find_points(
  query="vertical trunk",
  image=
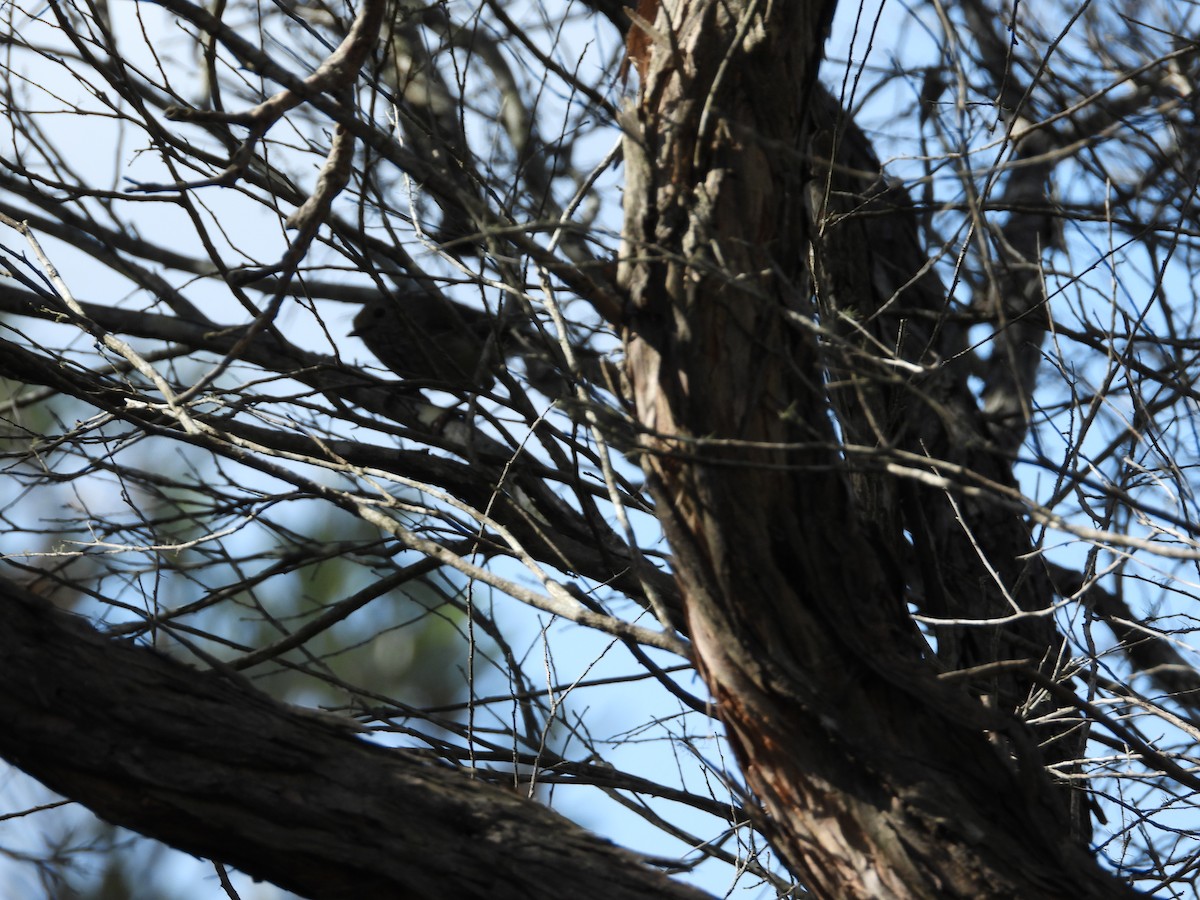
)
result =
(898, 372)
(876, 779)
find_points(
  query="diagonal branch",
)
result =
(204, 762)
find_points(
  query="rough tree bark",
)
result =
(208, 764)
(876, 779)
(885, 305)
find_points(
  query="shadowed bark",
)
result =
(207, 764)
(876, 778)
(899, 369)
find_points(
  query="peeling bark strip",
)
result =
(875, 779)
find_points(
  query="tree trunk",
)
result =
(877, 779)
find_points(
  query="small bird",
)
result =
(441, 343)
(426, 338)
